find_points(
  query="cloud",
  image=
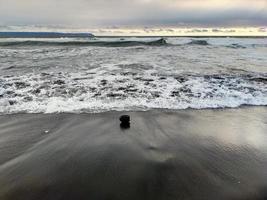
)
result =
(134, 12)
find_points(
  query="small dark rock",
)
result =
(125, 121)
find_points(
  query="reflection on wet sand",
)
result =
(208, 154)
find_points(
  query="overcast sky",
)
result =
(102, 13)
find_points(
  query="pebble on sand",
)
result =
(125, 121)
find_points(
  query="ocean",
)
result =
(61, 100)
(99, 74)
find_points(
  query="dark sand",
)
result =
(206, 154)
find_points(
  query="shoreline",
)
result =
(164, 110)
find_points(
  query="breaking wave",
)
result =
(78, 75)
(198, 42)
(123, 42)
(96, 92)
(120, 43)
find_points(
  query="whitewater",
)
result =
(98, 74)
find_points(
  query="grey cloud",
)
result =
(104, 13)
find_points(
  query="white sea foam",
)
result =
(101, 91)
(50, 79)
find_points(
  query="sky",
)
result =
(135, 13)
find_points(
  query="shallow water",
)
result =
(102, 74)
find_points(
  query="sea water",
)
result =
(50, 75)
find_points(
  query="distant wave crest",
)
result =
(198, 42)
(122, 43)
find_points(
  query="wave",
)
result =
(237, 46)
(198, 42)
(99, 42)
(160, 42)
(97, 92)
(232, 46)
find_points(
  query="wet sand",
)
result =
(190, 154)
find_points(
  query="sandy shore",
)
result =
(205, 154)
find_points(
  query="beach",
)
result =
(197, 107)
(165, 154)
